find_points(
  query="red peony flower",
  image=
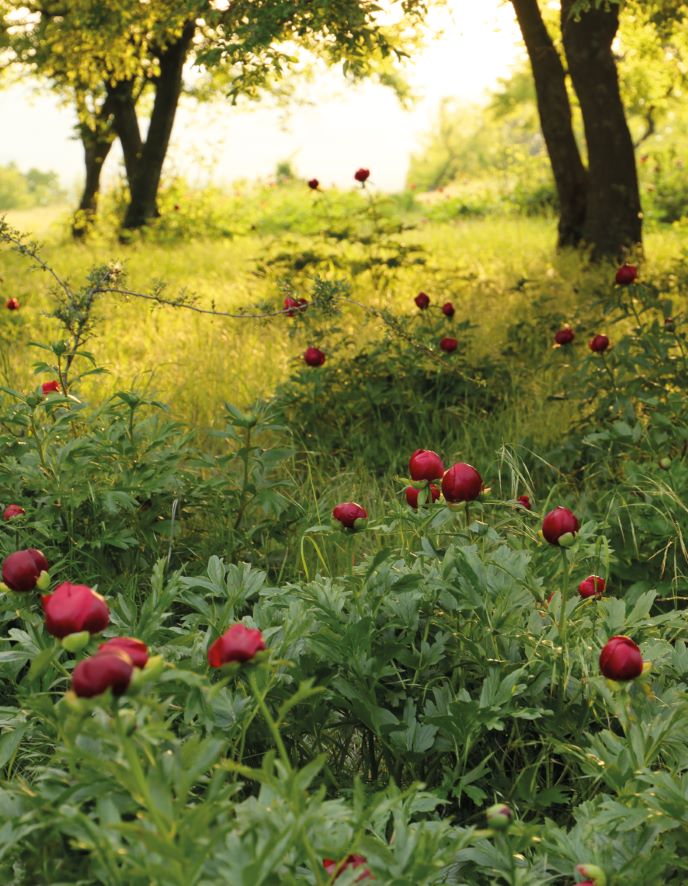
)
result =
(314, 356)
(352, 862)
(136, 650)
(74, 608)
(106, 670)
(294, 306)
(448, 345)
(621, 659)
(626, 274)
(22, 570)
(412, 494)
(425, 464)
(599, 343)
(362, 175)
(422, 300)
(348, 513)
(313, 184)
(564, 336)
(448, 309)
(461, 483)
(591, 586)
(50, 387)
(12, 304)
(12, 511)
(238, 643)
(524, 501)
(560, 521)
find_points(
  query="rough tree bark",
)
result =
(97, 138)
(555, 120)
(613, 221)
(143, 161)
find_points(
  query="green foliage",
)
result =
(19, 190)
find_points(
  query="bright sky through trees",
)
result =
(339, 128)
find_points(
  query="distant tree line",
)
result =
(22, 190)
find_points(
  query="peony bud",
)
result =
(599, 344)
(499, 817)
(12, 511)
(461, 483)
(564, 336)
(74, 608)
(559, 523)
(524, 501)
(314, 356)
(362, 175)
(237, 644)
(294, 306)
(349, 513)
(593, 874)
(50, 387)
(12, 304)
(422, 300)
(351, 862)
(448, 345)
(626, 274)
(76, 642)
(97, 674)
(664, 463)
(448, 309)
(135, 649)
(412, 494)
(313, 184)
(425, 464)
(22, 570)
(592, 586)
(621, 659)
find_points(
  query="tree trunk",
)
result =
(97, 138)
(555, 119)
(147, 159)
(613, 222)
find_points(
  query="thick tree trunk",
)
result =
(613, 222)
(555, 119)
(97, 138)
(144, 179)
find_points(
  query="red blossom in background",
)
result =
(22, 570)
(238, 643)
(136, 650)
(362, 175)
(599, 343)
(50, 387)
(425, 464)
(448, 345)
(560, 521)
(313, 184)
(422, 300)
(564, 336)
(592, 586)
(314, 356)
(524, 501)
(448, 309)
(352, 862)
(412, 494)
(348, 513)
(100, 672)
(12, 511)
(12, 304)
(626, 275)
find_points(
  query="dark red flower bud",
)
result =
(73, 608)
(422, 300)
(22, 569)
(12, 511)
(348, 513)
(591, 586)
(106, 670)
(313, 184)
(136, 650)
(564, 336)
(448, 345)
(621, 659)
(599, 343)
(461, 483)
(362, 175)
(314, 356)
(669, 324)
(238, 643)
(524, 501)
(12, 304)
(425, 464)
(560, 521)
(294, 305)
(448, 309)
(352, 862)
(412, 494)
(626, 274)
(50, 387)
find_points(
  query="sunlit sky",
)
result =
(340, 128)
